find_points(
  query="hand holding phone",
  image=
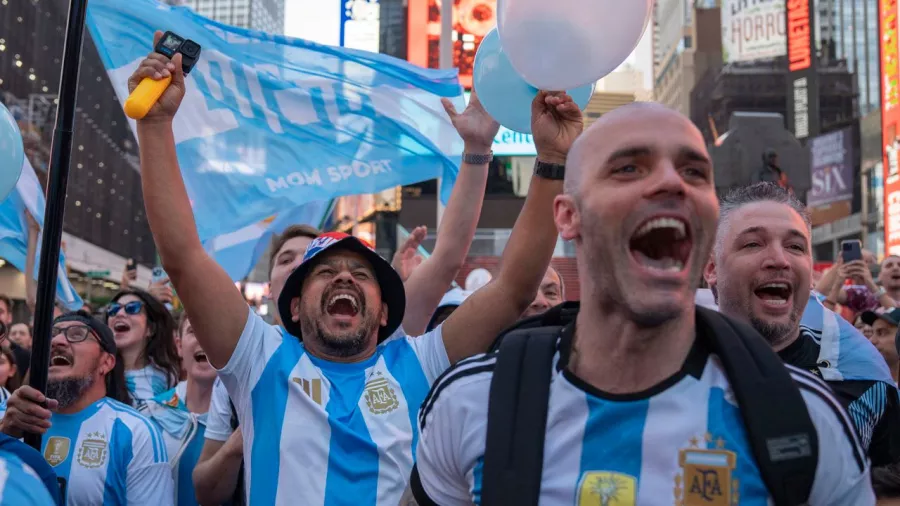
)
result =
(851, 250)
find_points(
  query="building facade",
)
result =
(104, 213)
(686, 44)
(264, 15)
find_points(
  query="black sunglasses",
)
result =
(74, 334)
(132, 308)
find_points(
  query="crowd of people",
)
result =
(381, 383)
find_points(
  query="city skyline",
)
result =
(319, 21)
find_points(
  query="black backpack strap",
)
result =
(239, 496)
(517, 417)
(781, 433)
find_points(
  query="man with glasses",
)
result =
(103, 451)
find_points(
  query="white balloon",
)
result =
(567, 44)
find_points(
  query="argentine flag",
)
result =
(29, 196)
(270, 123)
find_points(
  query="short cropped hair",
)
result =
(739, 197)
(289, 233)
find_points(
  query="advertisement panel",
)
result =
(753, 30)
(890, 117)
(360, 24)
(803, 87)
(831, 168)
(472, 20)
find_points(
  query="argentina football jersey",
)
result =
(325, 433)
(680, 442)
(108, 454)
(145, 383)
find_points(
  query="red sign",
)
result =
(890, 119)
(472, 20)
(798, 31)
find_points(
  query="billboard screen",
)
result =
(753, 30)
(890, 117)
(831, 168)
(803, 88)
(360, 24)
(472, 20)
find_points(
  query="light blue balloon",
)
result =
(503, 92)
(12, 152)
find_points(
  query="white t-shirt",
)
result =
(318, 432)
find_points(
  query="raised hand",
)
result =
(556, 122)
(476, 127)
(157, 66)
(162, 290)
(406, 259)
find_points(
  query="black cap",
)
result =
(891, 316)
(102, 330)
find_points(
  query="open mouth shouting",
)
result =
(59, 358)
(343, 306)
(200, 358)
(662, 245)
(121, 327)
(774, 295)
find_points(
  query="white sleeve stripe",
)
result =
(428, 405)
(838, 410)
(460, 366)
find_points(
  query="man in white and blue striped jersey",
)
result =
(103, 451)
(637, 398)
(761, 269)
(327, 406)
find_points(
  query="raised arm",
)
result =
(556, 123)
(34, 232)
(218, 311)
(431, 280)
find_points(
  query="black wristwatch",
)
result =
(478, 159)
(549, 170)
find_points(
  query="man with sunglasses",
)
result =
(103, 451)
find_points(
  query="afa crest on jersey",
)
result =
(707, 475)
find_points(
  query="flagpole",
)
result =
(446, 62)
(60, 154)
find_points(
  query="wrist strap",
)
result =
(549, 170)
(478, 159)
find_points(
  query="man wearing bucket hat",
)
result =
(328, 406)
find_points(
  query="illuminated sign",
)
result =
(803, 84)
(890, 118)
(798, 21)
(472, 20)
(360, 24)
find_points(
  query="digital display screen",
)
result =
(171, 42)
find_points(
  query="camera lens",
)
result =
(190, 48)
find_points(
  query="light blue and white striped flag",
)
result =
(29, 196)
(270, 122)
(239, 251)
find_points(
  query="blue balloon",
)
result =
(503, 92)
(12, 152)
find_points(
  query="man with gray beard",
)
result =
(103, 450)
(760, 272)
